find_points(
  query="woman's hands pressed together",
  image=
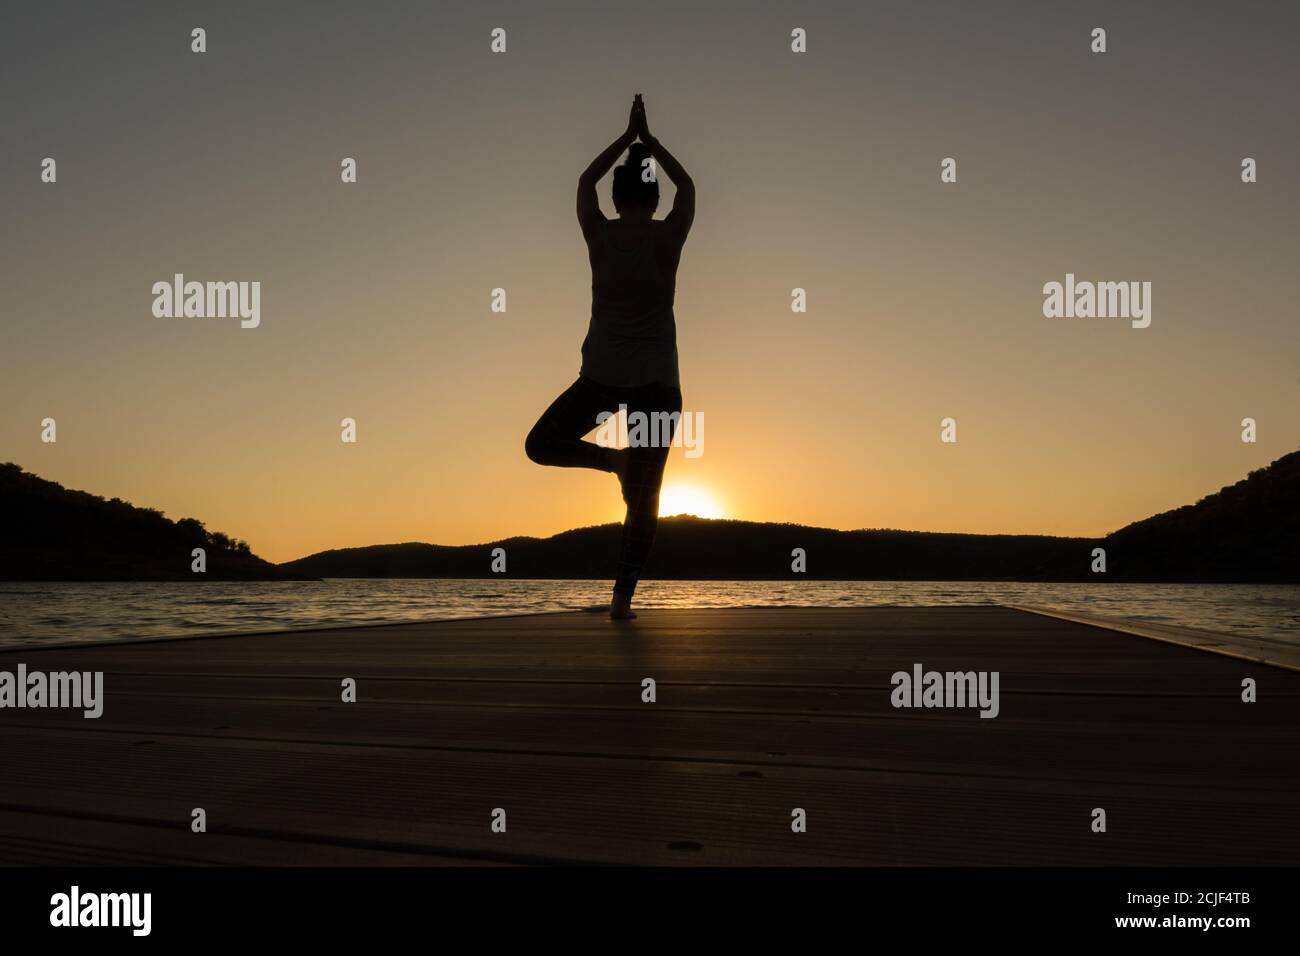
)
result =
(636, 121)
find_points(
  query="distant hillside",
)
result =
(699, 548)
(1249, 531)
(51, 533)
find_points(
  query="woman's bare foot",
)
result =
(620, 608)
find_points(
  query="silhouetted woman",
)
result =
(630, 354)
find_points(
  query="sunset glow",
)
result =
(689, 500)
(924, 298)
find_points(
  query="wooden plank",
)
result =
(605, 811)
(758, 711)
(1261, 650)
(43, 839)
(1017, 743)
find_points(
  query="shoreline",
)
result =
(1255, 650)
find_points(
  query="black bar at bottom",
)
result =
(623, 906)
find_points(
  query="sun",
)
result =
(689, 500)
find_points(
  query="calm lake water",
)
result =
(69, 613)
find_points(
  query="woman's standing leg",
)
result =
(662, 406)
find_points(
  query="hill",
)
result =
(1247, 532)
(713, 549)
(52, 533)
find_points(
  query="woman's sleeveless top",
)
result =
(632, 338)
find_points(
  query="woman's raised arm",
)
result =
(589, 213)
(683, 211)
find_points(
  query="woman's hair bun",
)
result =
(631, 188)
(637, 154)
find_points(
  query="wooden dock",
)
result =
(758, 712)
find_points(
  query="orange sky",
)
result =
(819, 171)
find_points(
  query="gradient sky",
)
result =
(818, 170)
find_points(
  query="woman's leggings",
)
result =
(556, 439)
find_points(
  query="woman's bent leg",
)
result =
(556, 439)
